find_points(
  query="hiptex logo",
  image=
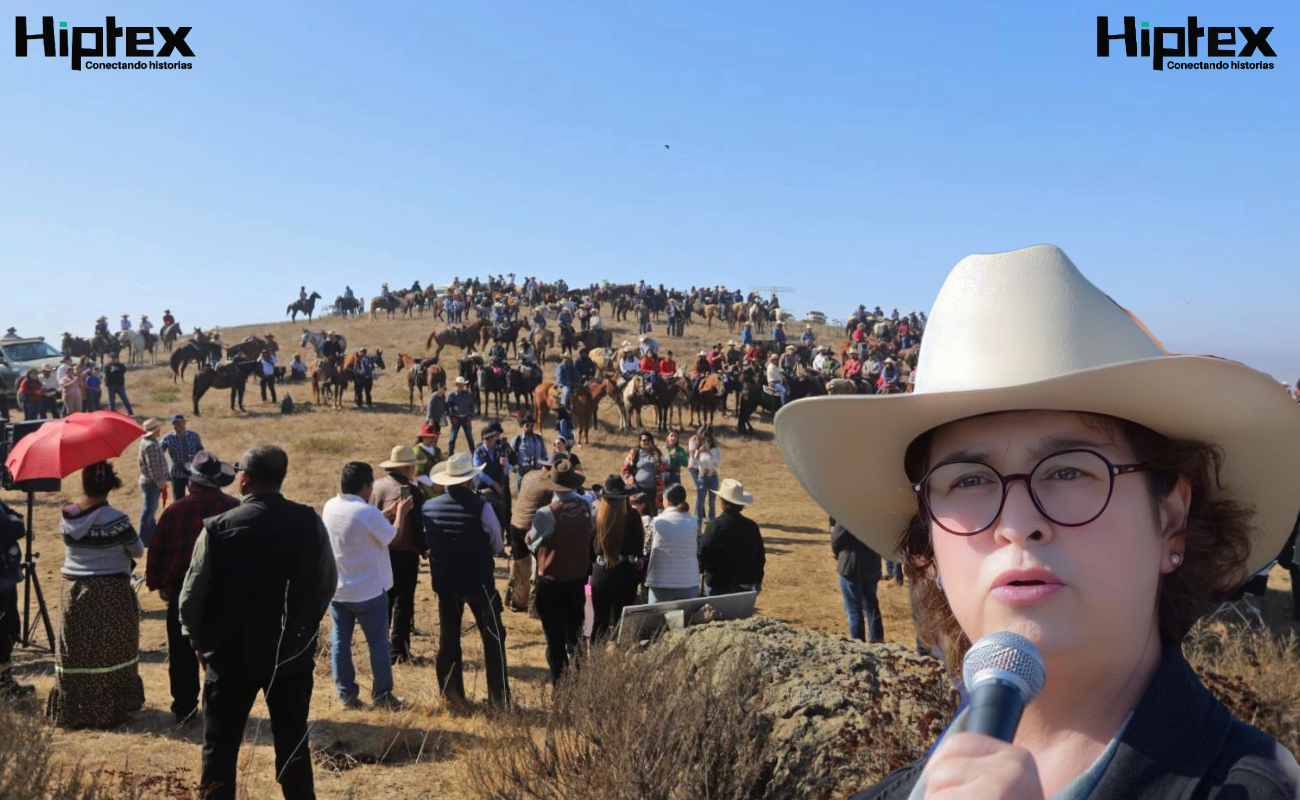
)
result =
(139, 44)
(1222, 43)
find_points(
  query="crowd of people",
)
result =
(70, 387)
(247, 582)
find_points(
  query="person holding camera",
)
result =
(11, 574)
(406, 549)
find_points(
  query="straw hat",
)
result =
(401, 456)
(733, 491)
(152, 424)
(457, 469)
(1059, 344)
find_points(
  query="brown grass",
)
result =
(430, 751)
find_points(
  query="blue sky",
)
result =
(852, 150)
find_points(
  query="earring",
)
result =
(1175, 558)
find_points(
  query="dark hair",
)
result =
(356, 476)
(1217, 534)
(645, 435)
(266, 465)
(676, 495)
(99, 479)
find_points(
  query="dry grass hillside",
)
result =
(427, 751)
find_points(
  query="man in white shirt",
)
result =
(266, 371)
(359, 535)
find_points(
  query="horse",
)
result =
(421, 374)
(303, 306)
(233, 376)
(199, 352)
(543, 339)
(137, 344)
(74, 346)
(704, 402)
(169, 335)
(507, 334)
(347, 306)
(583, 400)
(520, 384)
(465, 337)
(493, 383)
(103, 345)
(389, 307)
(251, 348)
(329, 379)
(317, 340)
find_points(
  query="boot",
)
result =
(11, 689)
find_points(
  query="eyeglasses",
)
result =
(1069, 487)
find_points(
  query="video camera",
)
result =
(11, 433)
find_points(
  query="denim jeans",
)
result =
(783, 391)
(565, 391)
(373, 616)
(703, 485)
(863, 609)
(661, 595)
(149, 511)
(460, 424)
(31, 410)
(115, 392)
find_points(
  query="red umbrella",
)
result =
(63, 446)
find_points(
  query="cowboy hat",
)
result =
(1071, 348)
(563, 477)
(492, 429)
(401, 456)
(152, 424)
(461, 379)
(427, 429)
(207, 470)
(457, 469)
(733, 491)
(615, 488)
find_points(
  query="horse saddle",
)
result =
(769, 389)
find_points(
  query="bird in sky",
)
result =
(666, 147)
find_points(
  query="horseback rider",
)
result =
(101, 328)
(808, 338)
(889, 378)
(497, 355)
(332, 349)
(348, 294)
(778, 334)
(527, 363)
(648, 345)
(650, 373)
(629, 364)
(167, 318)
(146, 330)
(386, 296)
(567, 378)
(789, 360)
(539, 318)
(775, 380)
(586, 367)
(415, 286)
(125, 324)
(302, 294)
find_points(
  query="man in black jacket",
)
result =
(259, 583)
(731, 550)
(859, 569)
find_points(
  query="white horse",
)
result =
(135, 342)
(317, 340)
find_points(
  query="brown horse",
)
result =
(464, 337)
(252, 348)
(543, 339)
(585, 400)
(377, 302)
(422, 374)
(705, 404)
(328, 378)
(508, 337)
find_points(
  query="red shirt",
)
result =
(31, 389)
(860, 335)
(667, 367)
(755, 353)
(172, 545)
(649, 363)
(715, 360)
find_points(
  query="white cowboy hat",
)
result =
(401, 456)
(462, 380)
(733, 491)
(457, 469)
(1026, 330)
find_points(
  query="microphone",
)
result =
(1003, 673)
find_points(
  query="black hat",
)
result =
(615, 488)
(564, 478)
(208, 470)
(492, 429)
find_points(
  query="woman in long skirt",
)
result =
(97, 660)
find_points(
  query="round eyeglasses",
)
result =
(1068, 487)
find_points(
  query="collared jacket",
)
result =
(732, 553)
(1181, 744)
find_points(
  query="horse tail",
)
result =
(428, 345)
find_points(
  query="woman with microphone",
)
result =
(1058, 476)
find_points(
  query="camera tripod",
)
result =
(31, 581)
